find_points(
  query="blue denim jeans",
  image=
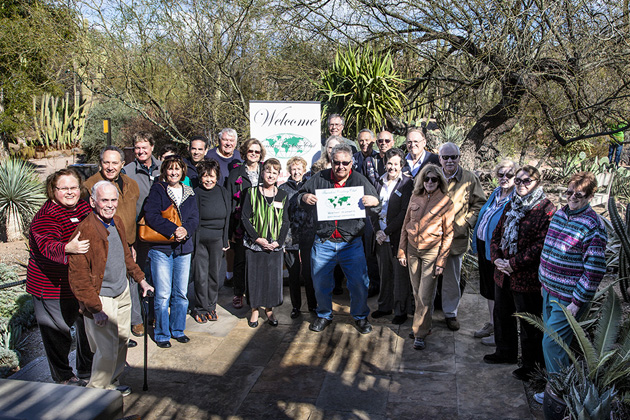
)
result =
(614, 153)
(555, 319)
(170, 279)
(325, 255)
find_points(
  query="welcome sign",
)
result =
(286, 129)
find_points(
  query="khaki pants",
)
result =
(109, 343)
(424, 283)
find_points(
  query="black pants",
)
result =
(206, 269)
(239, 268)
(55, 317)
(298, 270)
(486, 272)
(506, 303)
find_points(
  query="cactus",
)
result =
(59, 129)
(623, 232)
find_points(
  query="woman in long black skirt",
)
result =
(265, 219)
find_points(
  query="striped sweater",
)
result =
(573, 262)
(47, 272)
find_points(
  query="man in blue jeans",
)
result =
(340, 242)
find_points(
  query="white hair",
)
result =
(99, 185)
(449, 144)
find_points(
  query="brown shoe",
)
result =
(137, 330)
(452, 324)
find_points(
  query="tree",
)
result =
(486, 61)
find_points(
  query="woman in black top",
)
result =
(211, 240)
(266, 223)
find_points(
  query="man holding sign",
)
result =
(340, 219)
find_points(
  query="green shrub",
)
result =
(94, 139)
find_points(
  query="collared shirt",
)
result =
(415, 167)
(454, 176)
(385, 194)
(111, 222)
(490, 211)
(337, 184)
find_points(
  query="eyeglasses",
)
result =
(67, 189)
(341, 163)
(576, 194)
(505, 175)
(450, 157)
(254, 152)
(431, 179)
(413, 143)
(386, 141)
(524, 181)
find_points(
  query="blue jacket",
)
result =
(492, 223)
(158, 201)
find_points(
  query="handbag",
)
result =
(148, 234)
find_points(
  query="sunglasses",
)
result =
(254, 152)
(450, 157)
(505, 175)
(341, 163)
(578, 195)
(384, 141)
(524, 181)
(431, 179)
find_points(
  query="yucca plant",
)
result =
(622, 232)
(364, 87)
(21, 195)
(606, 358)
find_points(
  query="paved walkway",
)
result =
(231, 371)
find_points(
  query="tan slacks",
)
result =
(109, 343)
(421, 264)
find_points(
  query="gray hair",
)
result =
(230, 132)
(416, 130)
(341, 148)
(112, 148)
(367, 130)
(507, 163)
(101, 184)
(343, 120)
(449, 144)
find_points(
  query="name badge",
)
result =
(277, 204)
(398, 193)
(74, 220)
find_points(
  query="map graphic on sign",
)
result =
(340, 201)
(287, 145)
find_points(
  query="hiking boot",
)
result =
(486, 331)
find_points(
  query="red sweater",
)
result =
(47, 272)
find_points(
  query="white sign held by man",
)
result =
(340, 203)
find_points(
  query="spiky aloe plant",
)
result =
(21, 195)
(623, 233)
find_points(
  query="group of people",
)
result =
(89, 263)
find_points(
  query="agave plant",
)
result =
(584, 400)
(605, 360)
(622, 233)
(21, 195)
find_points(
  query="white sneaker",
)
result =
(486, 331)
(488, 341)
(539, 397)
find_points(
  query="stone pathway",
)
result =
(231, 371)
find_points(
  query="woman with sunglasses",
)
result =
(266, 223)
(572, 265)
(515, 250)
(244, 176)
(487, 221)
(425, 241)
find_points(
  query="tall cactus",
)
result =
(59, 129)
(623, 231)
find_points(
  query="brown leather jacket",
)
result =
(127, 199)
(85, 271)
(428, 224)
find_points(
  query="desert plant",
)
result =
(622, 233)
(363, 86)
(584, 400)
(55, 128)
(452, 133)
(21, 195)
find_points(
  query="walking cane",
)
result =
(145, 316)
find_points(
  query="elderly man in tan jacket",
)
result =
(464, 189)
(98, 280)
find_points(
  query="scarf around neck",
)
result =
(519, 207)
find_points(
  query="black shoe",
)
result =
(363, 326)
(379, 314)
(452, 323)
(523, 373)
(163, 344)
(183, 339)
(124, 390)
(399, 319)
(131, 343)
(319, 324)
(252, 324)
(412, 335)
(338, 290)
(272, 322)
(497, 359)
(295, 312)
